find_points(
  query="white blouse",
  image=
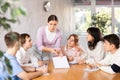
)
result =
(95, 55)
(50, 35)
(73, 52)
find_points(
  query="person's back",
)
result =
(16, 68)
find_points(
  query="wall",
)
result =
(38, 17)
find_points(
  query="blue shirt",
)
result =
(3, 74)
(16, 68)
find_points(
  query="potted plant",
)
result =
(10, 10)
(101, 20)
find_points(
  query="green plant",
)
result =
(10, 11)
(101, 20)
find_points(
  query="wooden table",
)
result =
(76, 72)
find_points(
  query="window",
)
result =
(83, 13)
(117, 20)
(83, 19)
(106, 12)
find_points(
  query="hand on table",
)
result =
(70, 58)
(57, 52)
(43, 69)
(81, 61)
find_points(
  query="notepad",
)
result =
(60, 62)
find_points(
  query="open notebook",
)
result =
(60, 62)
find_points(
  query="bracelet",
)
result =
(35, 69)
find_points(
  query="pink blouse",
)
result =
(42, 40)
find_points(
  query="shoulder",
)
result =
(41, 30)
(118, 52)
(100, 43)
(59, 32)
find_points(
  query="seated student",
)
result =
(24, 56)
(111, 63)
(12, 41)
(71, 49)
(95, 50)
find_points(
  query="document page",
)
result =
(60, 62)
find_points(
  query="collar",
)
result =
(48, 31)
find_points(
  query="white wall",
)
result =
(37, 17)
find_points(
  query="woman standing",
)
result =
(49, 38)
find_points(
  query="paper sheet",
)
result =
(60, 62)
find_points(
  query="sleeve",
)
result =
(28, 64)
(19, 59)
(98, 54)
(106, 60)
(58, 41)
(17, 69)
(3, 73)
(107, 69)
(34, 60)
(39, 39)
(84, 53)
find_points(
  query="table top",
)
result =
(76, 72)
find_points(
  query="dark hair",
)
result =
(52, 18)
(113, 39)
(23, 38)
(76, 38)
(11, 38)
(96, 34)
